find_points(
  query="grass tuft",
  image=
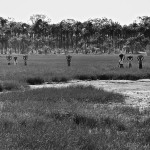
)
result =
(85, 121)
(114, 123)
(60, 116)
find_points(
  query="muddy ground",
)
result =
(137, 93)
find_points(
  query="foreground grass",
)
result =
(58, 119)
(77, 93)
(52, 68)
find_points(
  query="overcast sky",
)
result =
(122, 11)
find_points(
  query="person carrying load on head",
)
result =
(25, 58)
(9, 58)
(68, 59)
(140, 59)
(130, 59)
(15, 60)
(122, 57)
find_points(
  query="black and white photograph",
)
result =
(75, 75)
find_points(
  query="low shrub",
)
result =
(35, 80)
(83, 77)
(105, 77)
(11, 85)
(85, 121)
(60, 116)
(128, 77)
(59, 79)
(112, 123)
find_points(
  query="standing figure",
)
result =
(130, 59)
(25, 58)
(140, 59)
(9, 58)
(68, 59)
(15, 60)
(122, 57)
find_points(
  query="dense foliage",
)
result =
(95, 35)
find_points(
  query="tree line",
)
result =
(94, 35)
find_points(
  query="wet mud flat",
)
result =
(137, 93)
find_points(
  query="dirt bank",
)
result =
(137, 92)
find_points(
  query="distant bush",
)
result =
(85, 77)
(35, 80)
(11, 85)
(109, 76)
(105, 77)
(59, 79)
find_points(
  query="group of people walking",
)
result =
(15, 58)
(68, 58)
(130, 59)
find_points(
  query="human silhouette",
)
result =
(15, 60)
(130, 59)
(9, 58)
(122, 57)
(25, 58)
(68, 60)
(140, 59)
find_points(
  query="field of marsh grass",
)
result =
(73, 118)
(59, 119)
(53, 68)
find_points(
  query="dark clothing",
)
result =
(68, 62)
(25, 62)
(15, 58)
(130, 65)
(68, 59)
(121, 66)
(140, 59)
(140, 65)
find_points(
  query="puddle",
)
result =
(137, 92)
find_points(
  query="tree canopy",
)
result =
(96, 35)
